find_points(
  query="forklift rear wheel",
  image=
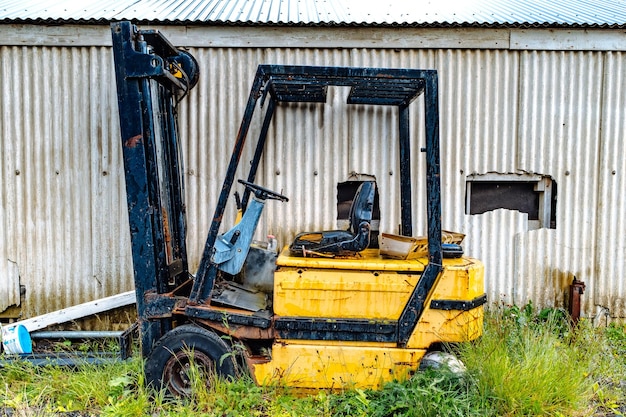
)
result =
(169, 364)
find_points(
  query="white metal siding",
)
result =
(548, 112)
(62, 179)
(559, 135)
(9, 271)
(609, 268)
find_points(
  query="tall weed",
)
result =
(429, 393)
(528, 364)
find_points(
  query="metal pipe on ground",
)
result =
(76, 334)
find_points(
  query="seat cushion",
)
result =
(320, 242)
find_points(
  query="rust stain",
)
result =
(240, 332)
(168, 235)
(133, 142)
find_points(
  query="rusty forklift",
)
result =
(336, 308)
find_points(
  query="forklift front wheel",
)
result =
(177, 356)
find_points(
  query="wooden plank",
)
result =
(64, 35)
(75, 312)
(329, 37)
(266, 37)
(569, 39)
(343, 37)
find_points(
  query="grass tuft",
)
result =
(528, 364)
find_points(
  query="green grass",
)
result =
(527, 363)
(523, 366)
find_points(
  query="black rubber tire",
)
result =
(165, 367)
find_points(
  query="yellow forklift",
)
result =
(333, 309)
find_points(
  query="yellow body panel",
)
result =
(362, 287)
(346, 294)
(336, 366)
(366, 286)
(459, 281)
(447, 326)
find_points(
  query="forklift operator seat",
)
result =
(342, 242)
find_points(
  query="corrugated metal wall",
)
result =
(609, 266)
(556, 113)
(64, 230)
(559, 135)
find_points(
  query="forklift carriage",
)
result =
(342, 312)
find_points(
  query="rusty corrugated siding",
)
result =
(557, 113)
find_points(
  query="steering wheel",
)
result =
(262, 192)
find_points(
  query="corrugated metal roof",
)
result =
(557, 13)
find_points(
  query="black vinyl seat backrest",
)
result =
(362, 206)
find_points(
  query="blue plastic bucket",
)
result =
(16, 340)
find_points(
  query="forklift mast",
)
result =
(152, 76)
